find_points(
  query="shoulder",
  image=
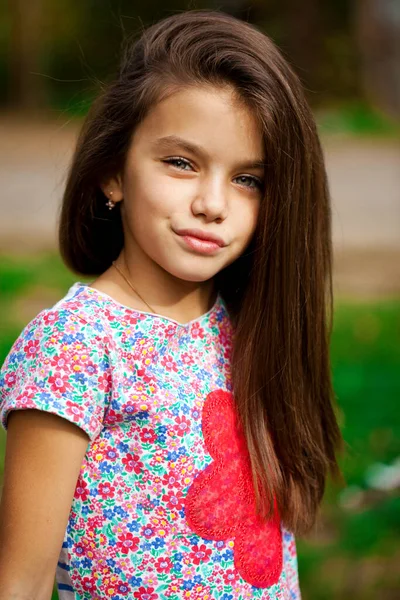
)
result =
(74, 320)
(60, 363)
(78, 305)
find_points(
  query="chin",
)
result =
(191, 272)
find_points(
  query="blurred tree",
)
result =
(61, 52)
(304, 38)
(377, 26)
(26, 90)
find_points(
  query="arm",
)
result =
(44, 453)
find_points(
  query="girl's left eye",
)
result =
(255, 180)
(258, 183)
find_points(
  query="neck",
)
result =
(170, 296)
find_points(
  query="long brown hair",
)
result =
(279, 291)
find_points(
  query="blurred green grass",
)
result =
(356, 119)
(354, 553)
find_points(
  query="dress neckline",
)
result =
(202, 318)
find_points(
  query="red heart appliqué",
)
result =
(220, 503)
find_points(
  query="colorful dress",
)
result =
(163, 506)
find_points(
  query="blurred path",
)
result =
(364, 181)
(33, 161)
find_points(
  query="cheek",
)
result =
(142, 203)
(149, 194)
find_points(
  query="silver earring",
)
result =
(110, 202)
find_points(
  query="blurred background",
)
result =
(54, 57)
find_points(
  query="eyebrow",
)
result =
(174, 140)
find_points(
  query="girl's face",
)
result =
(189, 166)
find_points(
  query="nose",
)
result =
(212, 198)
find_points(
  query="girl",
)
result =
(184, 426)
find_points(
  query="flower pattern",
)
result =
(150, 394)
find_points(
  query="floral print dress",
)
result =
(163, 506)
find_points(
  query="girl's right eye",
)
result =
(177, 160)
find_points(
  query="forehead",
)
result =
(212, 119)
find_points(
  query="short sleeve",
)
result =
(58, 364)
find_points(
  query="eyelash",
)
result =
(186, 162)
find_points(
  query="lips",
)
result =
(201, 235)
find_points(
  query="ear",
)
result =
(112, 188)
